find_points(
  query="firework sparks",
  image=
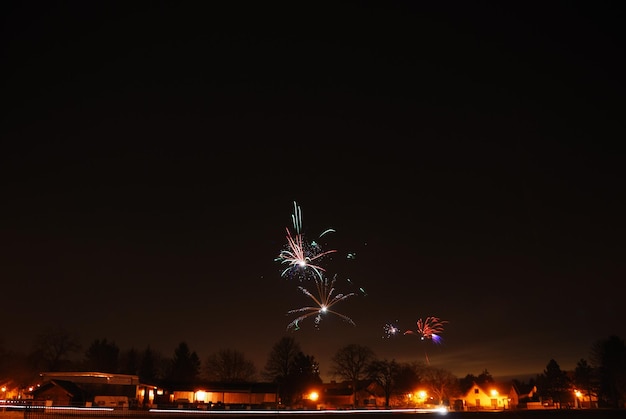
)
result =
(390, 330)
(429, 328)
(299, 256)
(325, 299)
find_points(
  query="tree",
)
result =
(484, 378)
(409, 376)
(468, 381)
(304, 375)
(4, 361)
(385, 374)
(148, 370)
(129, 362)
(350, 363)
(102, 356)
(291, 369)
(609, 357)
(554, 383)
(229, 365)
(279, 365)
(585, 380)
(52, 350)
(441, 384)
(184, 367)
(280, 360)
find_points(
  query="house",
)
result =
(61, 393)
(488, 396)
(335, 395)
(73, 388)
(210, 394)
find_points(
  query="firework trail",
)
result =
(429, 328)
(325, 299)
(299, 256)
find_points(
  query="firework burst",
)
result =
(390, 330)
(301, 257)
(429, 328)
(324, 300)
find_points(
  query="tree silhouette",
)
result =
(441, 384)
(484, 378)
(304, 375)
(409, 376)
(102, 356)
(148, 371)
(554, 383)
(350, 363)
(609, 357)
(52, 350)
(184, 367)
(129, 362)
(229, 365)
(279, 365)
(281, 358)
(385, 373)
(585, 380)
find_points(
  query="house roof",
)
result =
(70, 388)
(344, 388)
(502, 388)
(91, 377)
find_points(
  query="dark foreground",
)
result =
(516, 414)
(343, 414)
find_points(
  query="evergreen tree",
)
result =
(102, 356)
(554, 384)
(585, 380)
(609, 357)
(185, 366)
(148, 371)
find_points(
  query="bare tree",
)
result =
(281, 358)
(280, 365)
(52, 350)
(350, 363)
(442, 384)
(409, 377)
(229, 365)
(385, 374)
(304, 376)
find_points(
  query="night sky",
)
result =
(469, 154)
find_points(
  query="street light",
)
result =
(579, 398)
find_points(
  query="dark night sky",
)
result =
(470, 153)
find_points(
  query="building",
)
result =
(334, 395)
(488, 396)
(96, 388)
(212, 394)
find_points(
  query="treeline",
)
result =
(601, 377)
